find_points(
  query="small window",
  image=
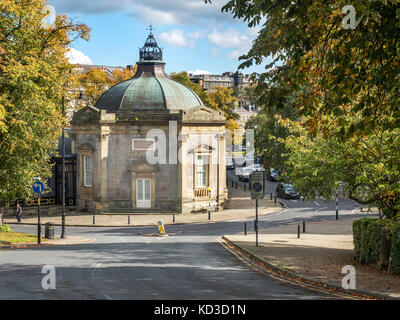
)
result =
(87, 171)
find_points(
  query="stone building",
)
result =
(209, 82)
(126, 164)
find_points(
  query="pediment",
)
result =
(203, 114)
(87, 113)
(142, 166)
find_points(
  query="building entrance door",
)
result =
(143, 193)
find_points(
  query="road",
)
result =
(122, 264)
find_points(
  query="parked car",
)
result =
(230, 164)
(273, 175)
(244, 173)
(286, 191)
(258, 167)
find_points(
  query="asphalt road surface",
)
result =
(122, 264)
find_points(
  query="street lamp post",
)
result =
(63, 172)
(81, 97)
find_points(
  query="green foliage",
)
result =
(367, 241)
(5, 228)
(357, 239)
(333, 71)
(395, 252)
(33, 69)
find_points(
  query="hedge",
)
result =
(367, 242)
(395, 251)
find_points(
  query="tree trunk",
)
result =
(1, 215)
(385, 250)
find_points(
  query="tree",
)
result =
(183, 78)
(269, 135)
(334, 71)
(368, 166)
(222, 99)
(94, 82)
(33, 69)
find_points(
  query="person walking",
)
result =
(19, 213)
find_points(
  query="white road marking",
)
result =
(98, 264)
(316, 203)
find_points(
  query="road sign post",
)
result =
(257, 192)
(38, 187)
(161, 229)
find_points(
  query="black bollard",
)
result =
(275, 200)
(271, 195)
(245, 228)
(173, 218)
(129, 219)
(236, 185)
(304, 226)
(94, 218)
(298, 231)
(209, 215)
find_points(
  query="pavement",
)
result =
(238, 206)
(318, 255)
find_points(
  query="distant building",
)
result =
(227, 80)
(82, 68)
(245, 113)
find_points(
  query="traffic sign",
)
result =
(257, 185)
(161, 229)
(38, 187)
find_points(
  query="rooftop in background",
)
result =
(227, 79)
(81, 68)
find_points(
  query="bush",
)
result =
(357, 239)
(395, 250)
(5, 228)
(367, 242)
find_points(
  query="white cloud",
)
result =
(75, 56)
(197, 34)
(232, 38)
(198, 71)
(158, 12)
(176, 38)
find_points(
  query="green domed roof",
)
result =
(148, 91)
(150, 88)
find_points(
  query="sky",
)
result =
(195, 37)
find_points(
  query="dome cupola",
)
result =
(150, 88)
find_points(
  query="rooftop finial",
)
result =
(151, 51)
(150, 28)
